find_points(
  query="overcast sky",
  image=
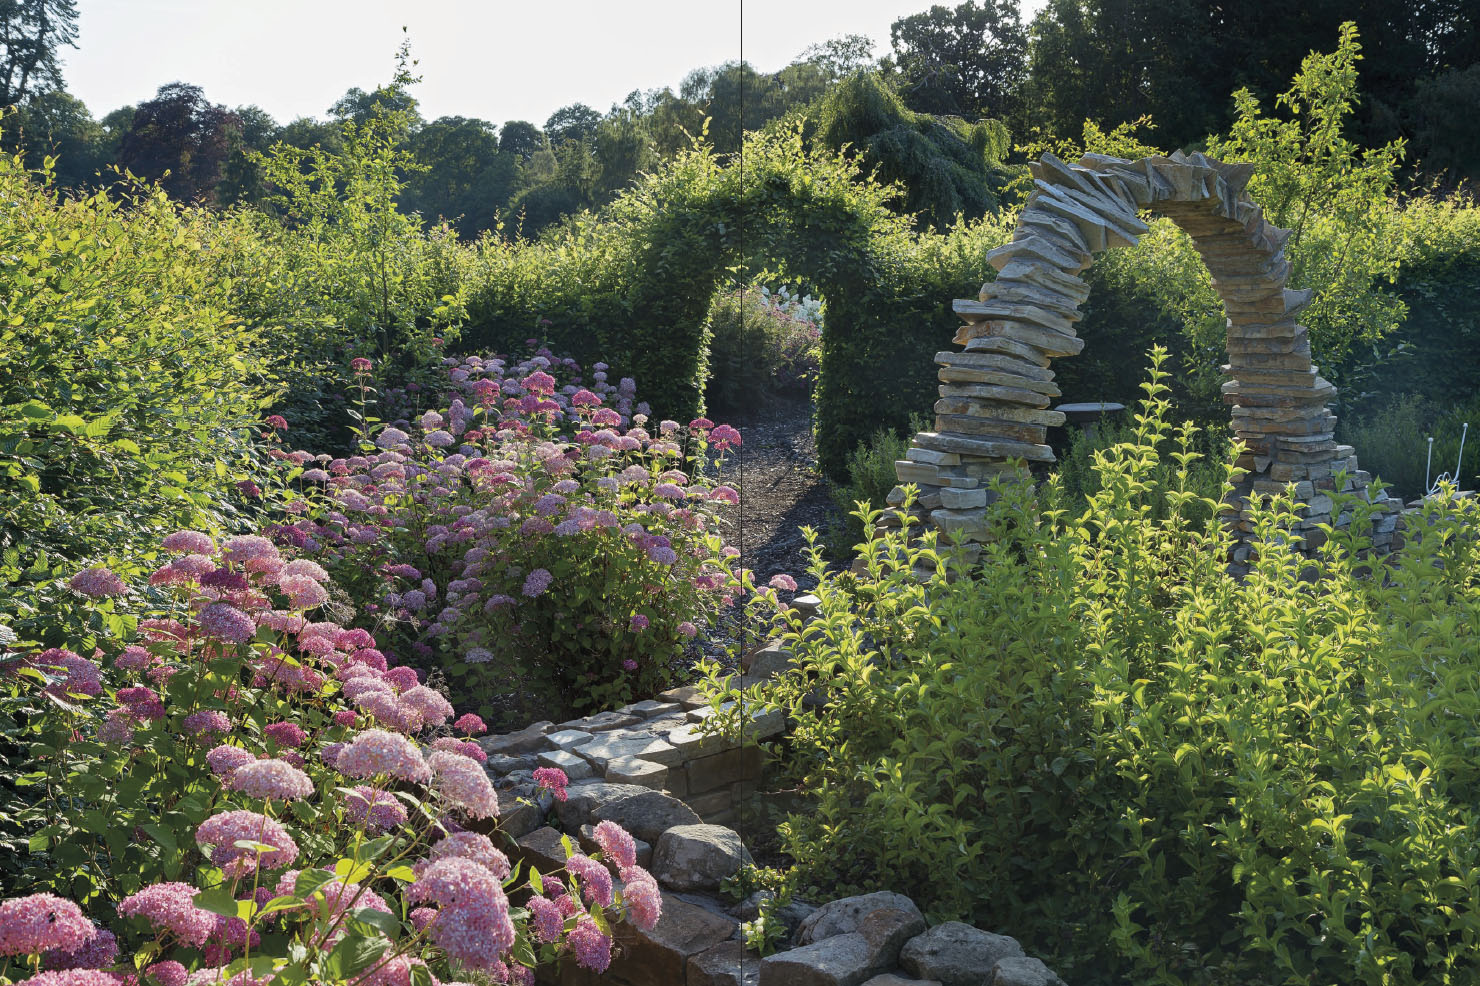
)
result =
(494, 59)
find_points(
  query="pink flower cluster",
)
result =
(466, 513)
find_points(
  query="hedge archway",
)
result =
(632, 286)
(995, 391)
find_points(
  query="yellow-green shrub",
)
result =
(1146, 769)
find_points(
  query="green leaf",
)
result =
(217, 900)
(353, 955)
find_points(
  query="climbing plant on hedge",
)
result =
(634, 285)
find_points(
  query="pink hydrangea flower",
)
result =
(595, 880)
(473, 925)
(74, 977)
(97, 582)
(377, 811)
(554, 780)
(98, 953)
(225, 830)
(274, 779)
(171, 907)
(687, 630)
(167, 973)
(476, 847)
(224, 759)
(422, 706)
(537, 582)
(463, 782)
(616, 842)
(226, 622)
(189, 543)
(375, 751)
(41, 922)
(592, 949)
(83, 677)
(470, 725)
(286, 734)
(207, 722)
(641, 897)
(783, 582)
(545, 919)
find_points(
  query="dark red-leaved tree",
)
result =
(181, 140)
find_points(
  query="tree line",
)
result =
(940, 111)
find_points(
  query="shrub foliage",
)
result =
(1156, 773)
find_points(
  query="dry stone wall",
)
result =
(650, 768)
(996, 389)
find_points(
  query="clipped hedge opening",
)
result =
(634, 284)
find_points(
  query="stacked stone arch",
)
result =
(996, 389)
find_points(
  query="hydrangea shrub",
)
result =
(249, 792)
(532, 537)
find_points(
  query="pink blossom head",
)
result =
(554, 780)
(270, 779)
(463, 783)
(476, 847)
(98, 953)
(42, 922)
(81, 676)
(97, 583)
(377, 811)
(207, 722)
(189, 543)
(594, 878)
(470, 725)
(286, 734)
(592, 949)
(641, 897)
(225, 622)
(374, 752)
(616, 842)
(222, 832)
(171, 907)
(167, 973)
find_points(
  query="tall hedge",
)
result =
(633, 286)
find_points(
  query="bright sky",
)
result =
(494, 59)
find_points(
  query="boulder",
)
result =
(1019, 970)
(698, 857)
(584, 799)
(646, 815)
(843, 960)
(530, 739)
(620, 743)
(956, 954)
(726, 964)
(543, 848)
(839, 917)
(601, 722)
(891, 979)
(660, 957)
(502, 763)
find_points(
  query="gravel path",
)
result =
(781, 490)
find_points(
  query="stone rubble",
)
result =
(672, 794)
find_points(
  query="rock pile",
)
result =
(995, 392)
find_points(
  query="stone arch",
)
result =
(996, 389)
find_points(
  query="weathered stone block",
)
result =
(956, 954)
(698, 857)
(643, 773)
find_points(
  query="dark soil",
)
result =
(781, 490)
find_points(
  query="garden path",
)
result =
(781, 489)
